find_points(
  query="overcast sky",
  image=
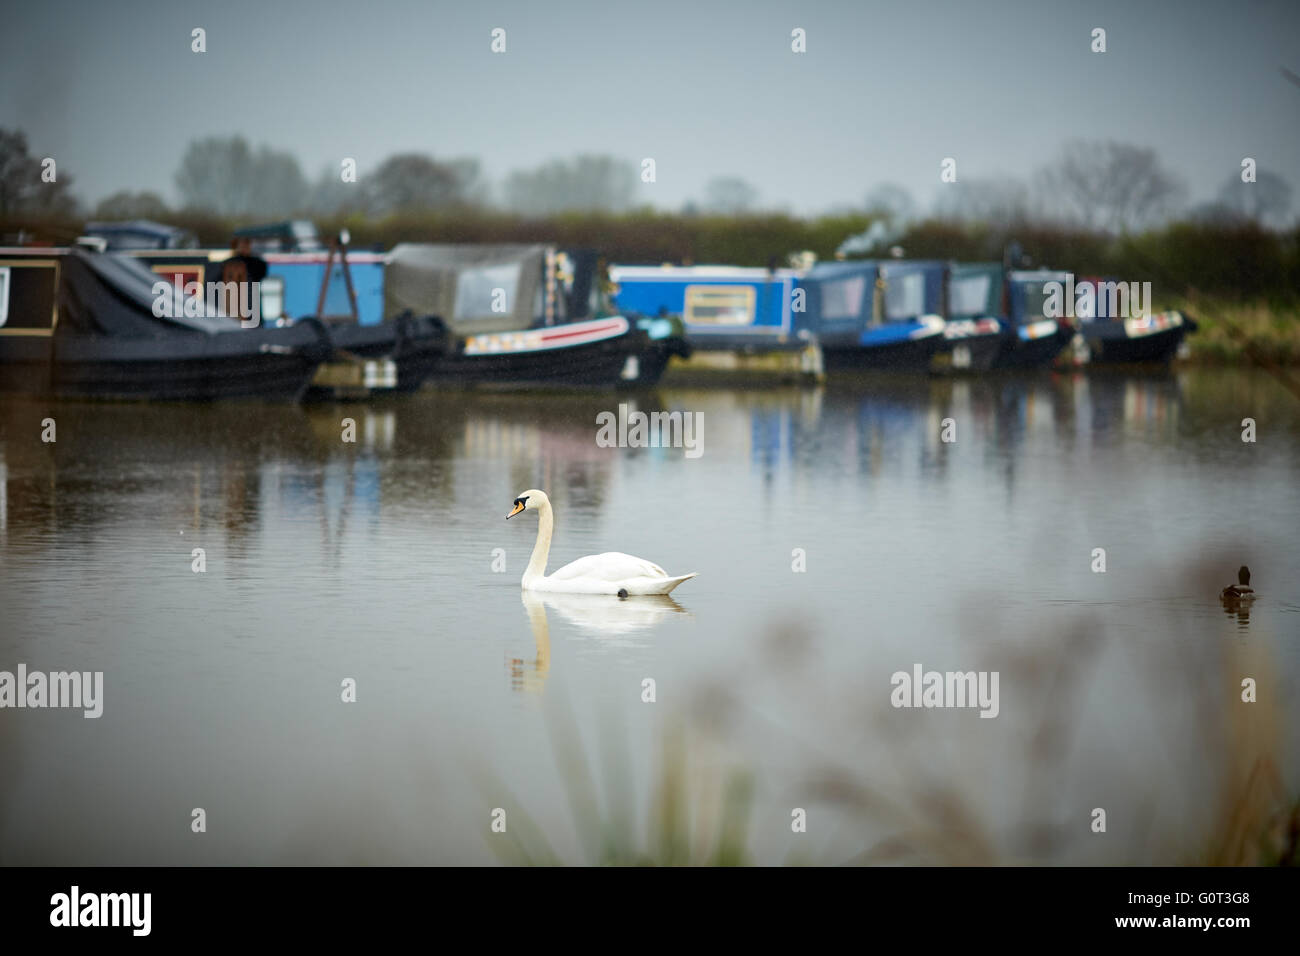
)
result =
(885, 91)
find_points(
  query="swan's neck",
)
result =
(545, 528)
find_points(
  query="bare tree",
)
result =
(225, 175)
(993, 201)
(585, 183)
(128, 205)
(729, 196)
(1110, 185)
(414, 181)
(23, 189)
(1267, 200)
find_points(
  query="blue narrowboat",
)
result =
(721, 307)
(974, 310)
(870, 315)
(1041, 330)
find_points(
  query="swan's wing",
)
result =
(610, 566)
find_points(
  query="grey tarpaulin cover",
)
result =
(459, 283)
(105, 294)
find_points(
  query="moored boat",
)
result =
(521, 316)
(1122, 329)
(973, 306)
(866, 322)
(1039, 334)
(88, 324)
(299, 278)
(721, 308)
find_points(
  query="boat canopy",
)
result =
(1028, 298)
(911, 289)
(974, 290)
(114, 295)
(483, 288)
(841, 296)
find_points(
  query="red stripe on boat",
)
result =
(607, 327)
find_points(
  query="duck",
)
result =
(1241, 591)
(612, 573)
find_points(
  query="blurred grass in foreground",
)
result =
(1225, 801)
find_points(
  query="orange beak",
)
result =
(519, 506)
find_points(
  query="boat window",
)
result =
(478, 288)
(969, 295)
(719, 305)
(1036, 308)
(272, 289)
(4, 294)
(842, 298)
(905, 296)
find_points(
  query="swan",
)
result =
(608, 573)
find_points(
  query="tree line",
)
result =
(1101, 186)
(1101, 208)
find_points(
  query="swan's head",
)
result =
(1243, 576)
(530, 500)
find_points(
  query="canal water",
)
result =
(236, 571)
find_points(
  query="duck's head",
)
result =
(530, 500)
(1243, 576)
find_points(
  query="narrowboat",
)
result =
(80, 323)
(521, 316)
(1118, 327)
(973, 294)
(721, 308)
(306, 278)
(873, 316)
(1037, 335)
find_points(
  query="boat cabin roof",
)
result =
(141, 234)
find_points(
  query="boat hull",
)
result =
(652, 361)
(581, 355)
(1029, 353)
(274, 364)
(911, 355)
(1114, 343)
(414, 345)
(972, 346)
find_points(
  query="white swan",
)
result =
(608, 573)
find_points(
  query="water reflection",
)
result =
(372, 558)
(226, 466)
(1238, 608)
(531, 676)
(593, 615)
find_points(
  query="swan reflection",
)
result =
(598, 614)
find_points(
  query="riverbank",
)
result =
(1241, 333)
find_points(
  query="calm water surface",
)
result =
(374, 561)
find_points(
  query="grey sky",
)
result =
(885, 91)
